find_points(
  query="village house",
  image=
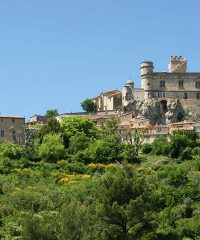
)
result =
(128, 125)
(37, 119)
(186, 125)
(10, 127)
(111, 100)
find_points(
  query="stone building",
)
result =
(128, 124)
(108, 101)
(164, 96)
(37, 119)
(7, 123)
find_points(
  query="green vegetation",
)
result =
(52, 113)
(88, 105)
(76, 182)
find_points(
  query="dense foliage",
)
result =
(78, 182)
(88, 105)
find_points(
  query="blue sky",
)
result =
(56, 53)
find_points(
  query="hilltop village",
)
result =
(123, 172)
(166, 101)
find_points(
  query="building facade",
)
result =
(9, 123)
(108, 101)
(177, 83)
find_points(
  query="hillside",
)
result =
(73, 181)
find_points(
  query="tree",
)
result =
(137, 138)
(11, 150)
(78, 142)
(161, 146)
(178, 142)
(128, 153)
(72, 221)
(88, 105)
(52, 148)
(146, 148)
(22, 136)
(109, 127)
(52, 126)
(51, 113)
(124, 205)
(104, 150)
(74, 125)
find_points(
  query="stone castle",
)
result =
(164, 97)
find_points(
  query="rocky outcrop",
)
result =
(159, 111)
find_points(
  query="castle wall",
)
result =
(184, 86)
(138, 93)
(191, 105)
(171, 81)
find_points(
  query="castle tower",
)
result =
(130, 84)
(177, 64)
(146, 69)
(127, 92)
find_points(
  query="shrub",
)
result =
(146, 148)
(11, 150)
(196, 151)
(186, 154)
(52, 148)
(161, 146)
(105, 150)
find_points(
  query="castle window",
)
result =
(197, 84)
(163, 94)
(162, 83)
(180, 84)
(2, 133)
(198, 95)
(185, 95)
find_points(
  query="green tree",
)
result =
(52, 148)
(51, 113)
(71, 126)
(125, 206)
(11, 150)
(186, 154)
(73, 221)
(51, 127)
(42, 225)
(88, 105)
(178, 142)
(109, 127)
(104, 150)
(146, 148)
(79, 142)
(161, 146)
(128, 153)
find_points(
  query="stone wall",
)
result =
(10, 122)
(183, 86)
